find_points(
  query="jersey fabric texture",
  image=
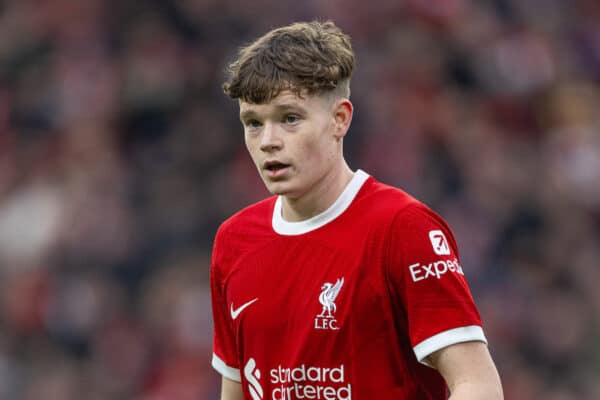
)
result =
(345, 305)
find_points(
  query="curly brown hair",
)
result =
(305, 57)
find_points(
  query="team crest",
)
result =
(326, 319)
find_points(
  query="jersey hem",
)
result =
(284, 227)
(471, 333)
(225, 370)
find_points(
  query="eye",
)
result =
(252, 123)
(291, 119)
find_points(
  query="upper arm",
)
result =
(468, 370)
(427, 280)
(225, 355)
(231, 390)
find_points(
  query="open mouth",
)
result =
(275, 166)
(275, 169)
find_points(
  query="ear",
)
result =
(342, 114)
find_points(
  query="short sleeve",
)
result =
(224, 358)
(427, 278)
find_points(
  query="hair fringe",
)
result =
(312, 57)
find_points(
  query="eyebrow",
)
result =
(247, 114)
(278, 108)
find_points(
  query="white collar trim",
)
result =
(284, 227)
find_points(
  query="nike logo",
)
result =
(236, 313)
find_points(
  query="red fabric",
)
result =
(381, 311)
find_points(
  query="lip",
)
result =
(272, 161)
(275, 173)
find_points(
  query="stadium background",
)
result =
(119, 156)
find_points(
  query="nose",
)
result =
(270, 139)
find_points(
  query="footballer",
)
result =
(338, 286)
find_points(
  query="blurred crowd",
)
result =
(119, 157)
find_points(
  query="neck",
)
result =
(323, 194)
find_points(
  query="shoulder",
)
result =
(412, 227)
(392, 202)
(405, 221)
(245, 227)
(240, 234)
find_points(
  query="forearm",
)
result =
(231, 390)
(477, 391)
(469, 371)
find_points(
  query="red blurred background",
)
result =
(119, 157)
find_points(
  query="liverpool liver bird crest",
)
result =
(327, 297)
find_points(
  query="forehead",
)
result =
(283, 101)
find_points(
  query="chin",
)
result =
(279, 188)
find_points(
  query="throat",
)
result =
(296, 211)
(322, 196)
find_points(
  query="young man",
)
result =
(337, 287)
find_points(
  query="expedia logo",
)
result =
(439, 243)
(436, 269)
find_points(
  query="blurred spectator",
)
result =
(119, 157)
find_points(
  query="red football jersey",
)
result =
(344, 305)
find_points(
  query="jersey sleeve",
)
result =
(427, 278)
(224, 358)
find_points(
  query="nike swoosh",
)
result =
(236, 313)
